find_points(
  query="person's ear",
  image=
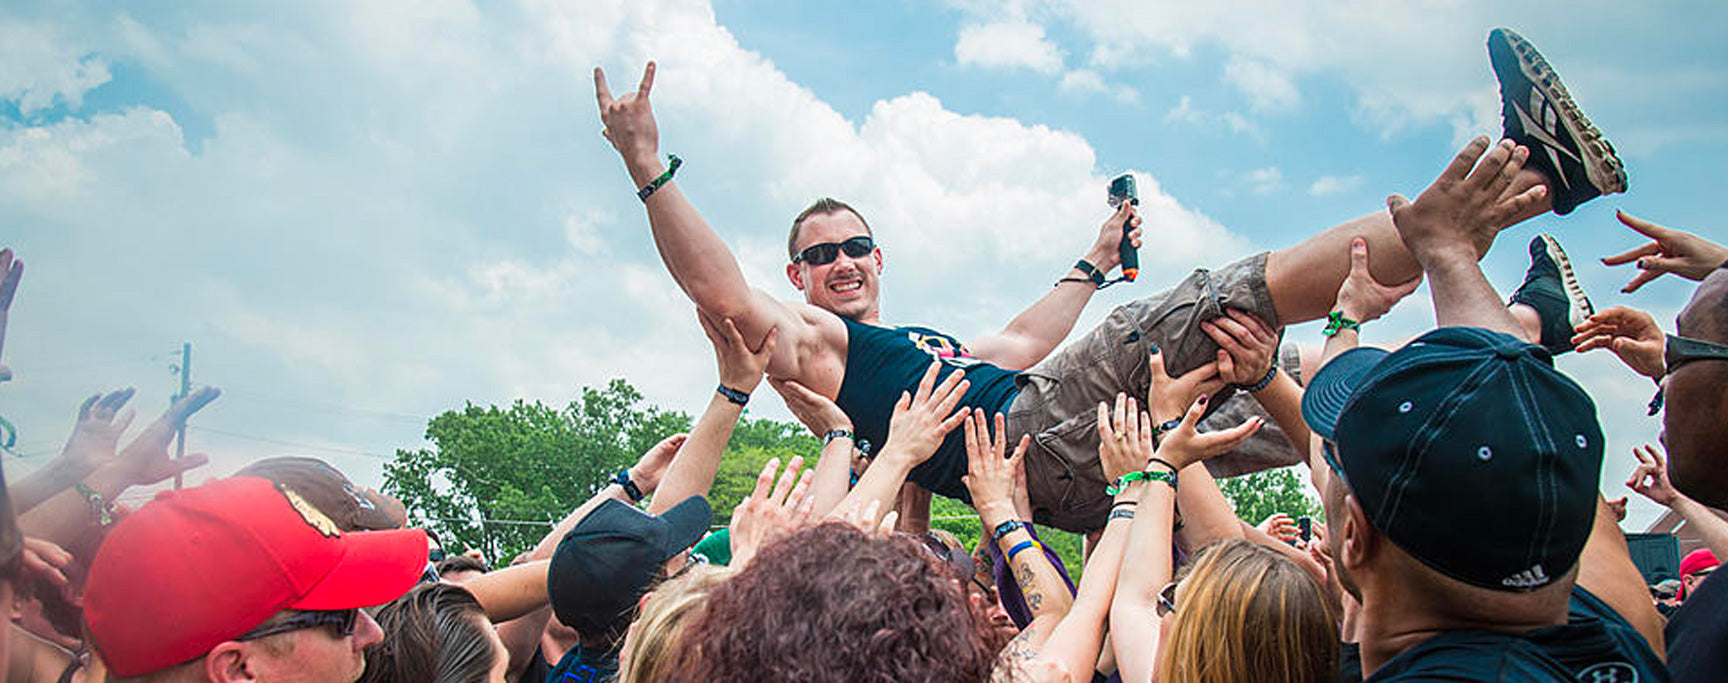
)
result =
(877, 256)
(795, 275)
(1358, 535)
(227, 662)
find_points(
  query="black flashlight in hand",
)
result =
(1122, 190)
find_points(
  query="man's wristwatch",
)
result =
(630, 488)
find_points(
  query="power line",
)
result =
(291, 444)
(63, 367)
(351, 411)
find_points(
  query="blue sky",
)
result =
(362, 214)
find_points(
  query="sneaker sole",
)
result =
(1602, 165)
(1580, 302)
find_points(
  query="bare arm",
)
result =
(1651, 481)
(694, 254)
(1038, 330)
(1133, 616)
(821, 416)
(511, 592)
(990, 478)
(1606, 570)
(692, 470)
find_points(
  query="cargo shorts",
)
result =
(1058, 399)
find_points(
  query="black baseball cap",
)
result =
(612, 556)
(1468, 450)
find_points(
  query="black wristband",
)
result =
(1093, 277)
(837, 434)
(1264, 381)
(733, 395)
(1008, 527)
(630, 487)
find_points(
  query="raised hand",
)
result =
(741, 367)
(97, 433)
(1281, 527)
(774, 510)
(1185, 445)
(1650, 479)
(922, 419)
(11, 271)
(1668, 251)
(990, 472)
(1630, 333)
(1458, 216)
(862, 514)
(1124, 437)
(1106, 253)
(651, 467)
(1247, 346)
(1362, 298)
(1169, 397)
(629, 120)
(146, 461)
(816, 411)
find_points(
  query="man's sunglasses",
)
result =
(825, 253)
(1678, 351)
(343, 620)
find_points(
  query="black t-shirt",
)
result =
(1698, 635)
(1595, 646)
(585, 666)
(538, 668)
(881, 362)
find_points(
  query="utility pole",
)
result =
(185, 372)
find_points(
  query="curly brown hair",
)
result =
(831, 604)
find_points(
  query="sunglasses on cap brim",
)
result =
(825, 253)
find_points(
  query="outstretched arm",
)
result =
(1038, 330)
(697, 258)
(692, 470)
(1452, 224)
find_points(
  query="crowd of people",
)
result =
(1464, 535)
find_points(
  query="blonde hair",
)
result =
(1247, 613)
(660, 624)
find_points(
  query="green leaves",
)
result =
(1256, 496)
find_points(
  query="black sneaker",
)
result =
(1551, 288)
(1538, 114)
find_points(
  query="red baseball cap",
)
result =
(197, 567)
(1696, 560)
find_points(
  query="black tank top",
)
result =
(881, 362)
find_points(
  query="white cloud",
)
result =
(1264, 180)
(1331, 184)
(1266, 86)
(1089, 81)
(39, 68)
(457, 231)
(1186, 113)
(1008, 45)
(1424, 63)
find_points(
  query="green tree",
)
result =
(1256, 496)
(527, 465)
